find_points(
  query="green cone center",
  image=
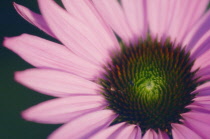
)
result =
(149, 84)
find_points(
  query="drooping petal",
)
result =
(119, 131)
(46, 54)
(86, 12)
(56, 83)
(62, 110)
(135, 12)
(150, 134)
(113, 15)
(198, 122)
(33, 18)
(180, 131)
(85, 126)
(74, 34)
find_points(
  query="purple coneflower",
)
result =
(151, 83)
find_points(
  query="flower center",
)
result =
(149, 84)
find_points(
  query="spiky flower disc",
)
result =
(149, 84)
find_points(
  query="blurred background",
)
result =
(14, 97)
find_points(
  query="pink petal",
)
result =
(74, 34)
(160, 13)
(203, 89)
(85, 126)
(62, 110)
(203, 74)
(198, 122)
(162, 135)
(86, 12)
(203, 101)
(56, 83)
(150, 134)
(135, 12)
(184, 17)
(198, 31)
(191, 17)
(201, 46)
(33, 18)
(197, 108)
(119, 131)
(113, 15)
(202, 61)
(46, 54)
(180, 131)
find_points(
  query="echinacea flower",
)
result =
(150, 83)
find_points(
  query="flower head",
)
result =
(150, 83)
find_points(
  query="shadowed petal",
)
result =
(119, 131)
(198, 122)
(184, 17)
(74, 34)
(85, 126)
(203, 74)
(180, 131)
(203, 60)
(162, 135)
(203, 101)
(62, 110)
(33, 18)
(56, 83)
(46, 54)
(198, 31)
(201, 46)
(113, 14)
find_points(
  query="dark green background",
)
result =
(15, 97)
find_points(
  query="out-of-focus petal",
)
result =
(62, 110)
(180, 131)
(33, 18)
(85, 126)
(46, 54)
(56, 83)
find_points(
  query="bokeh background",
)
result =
(14, 97)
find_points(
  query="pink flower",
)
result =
(151, 83)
